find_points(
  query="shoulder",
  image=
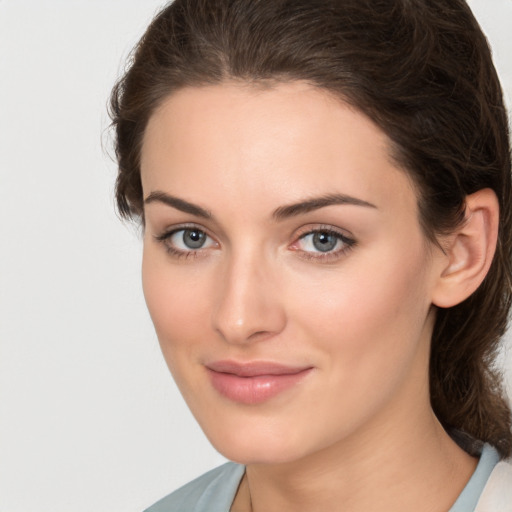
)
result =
(212, 492)
(497, 493)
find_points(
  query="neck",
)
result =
(391, 465)
(399, 460)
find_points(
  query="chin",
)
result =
(253, 442)
(257, 453)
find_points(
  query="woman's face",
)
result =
(284, 268)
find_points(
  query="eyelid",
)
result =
(169, 232)
(348, 240)
(329, 228)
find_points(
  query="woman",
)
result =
(324, 188)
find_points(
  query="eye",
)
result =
(186, 241)
(323, 243)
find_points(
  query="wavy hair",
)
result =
(422, 71)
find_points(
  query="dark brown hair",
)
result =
(422, 71)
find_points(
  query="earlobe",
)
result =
(469, 250)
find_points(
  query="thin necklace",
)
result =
(246, 482)
(249, 492)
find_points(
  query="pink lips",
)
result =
(255, 382)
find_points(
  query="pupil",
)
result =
(324, 241)
(193, 239)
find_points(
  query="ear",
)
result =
(469, 251)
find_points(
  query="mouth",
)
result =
(254, 382)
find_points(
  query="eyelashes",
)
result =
(186, 242)
(322, 243)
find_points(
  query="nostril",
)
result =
(260, 335)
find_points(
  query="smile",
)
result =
(255, 382)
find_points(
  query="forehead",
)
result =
(284, 142)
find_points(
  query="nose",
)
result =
(249, 304)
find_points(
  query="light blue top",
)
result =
(471, 493)
(214, 491)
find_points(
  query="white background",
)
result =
(90, 420)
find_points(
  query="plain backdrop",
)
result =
(90, 420)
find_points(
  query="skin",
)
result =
(358, 429)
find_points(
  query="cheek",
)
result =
(178, 302)
(369, 316)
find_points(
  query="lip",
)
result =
(254, 382)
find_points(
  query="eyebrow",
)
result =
(179, 204)
(281, 213)
(284, 212)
